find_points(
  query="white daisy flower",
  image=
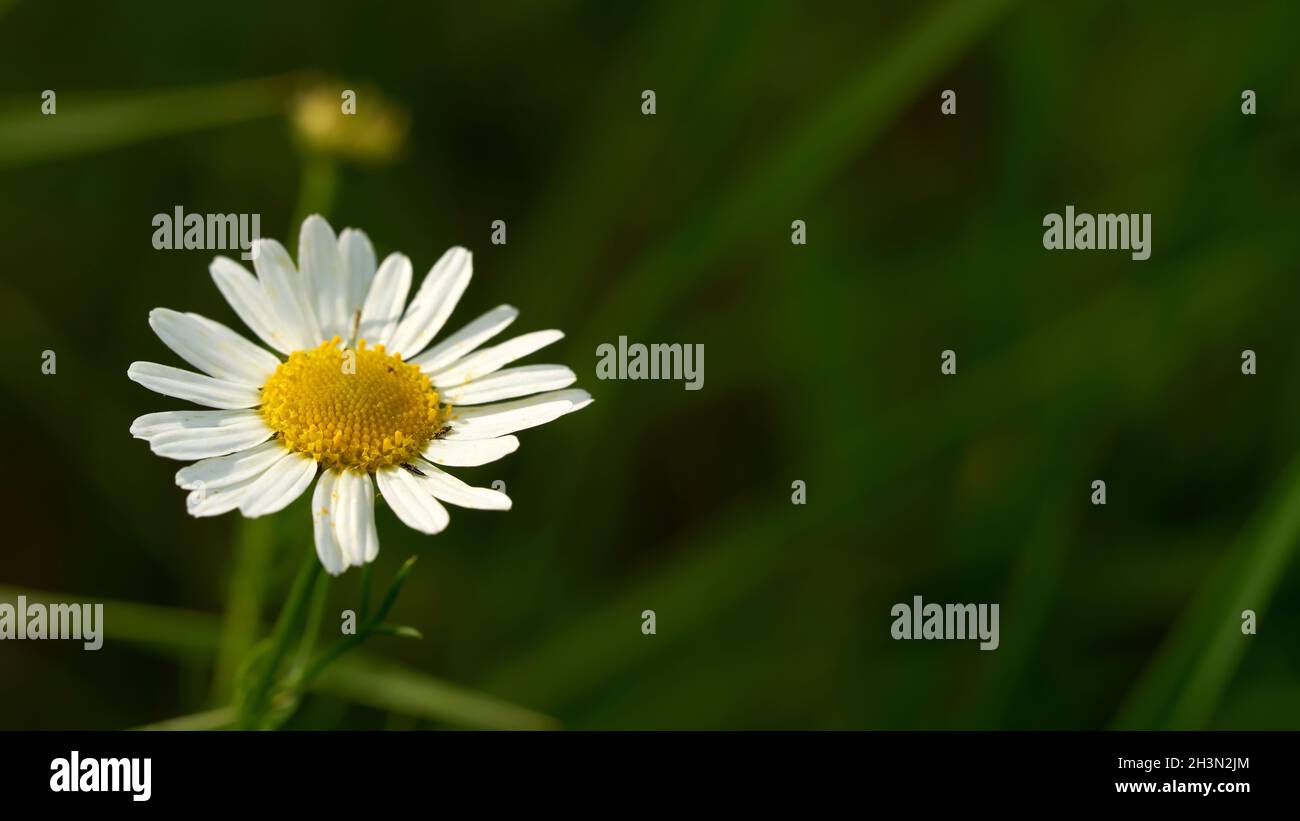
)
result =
(355, 401)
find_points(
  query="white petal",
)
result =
(212, 347)
(383, 307)
(358, 257)
(152, 424)
(193, 387)
(281, 284)
(220, 471)
(433, 303)
(466, 339)
(323, 502)
(468, 453)
(323, 269)
(455, 492)
(279, 485)
(491, 359)
(410, 501)
(246, 295)
(201, 438)
(510, 383)
(216, 501)
(354, 518)
(491, 421)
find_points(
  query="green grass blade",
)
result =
(396, 688)
(1183, 685)
(360, 679)
(178, 632)
(807, 157)
(217, 719)
(84, 124)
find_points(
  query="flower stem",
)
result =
(367, 574)
(371, 625)
(266, 662)
(254, 547)
(311, 631)
(316, 191)
(326, 658)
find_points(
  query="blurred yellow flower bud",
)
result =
(356, 123)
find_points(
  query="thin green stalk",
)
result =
(368, 628)
(263, 669)
(315, 615)
(367, 576)
(328, 657)
(243, 614)
(316, 191)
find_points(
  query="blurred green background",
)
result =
(822, 365)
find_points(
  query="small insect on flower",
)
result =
(354, 400)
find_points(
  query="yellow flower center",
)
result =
(359, 409)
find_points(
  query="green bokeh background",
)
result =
(822, 361)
